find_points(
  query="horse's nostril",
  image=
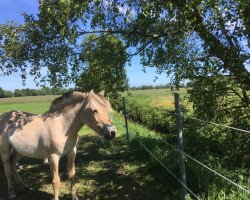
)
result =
(113, 133)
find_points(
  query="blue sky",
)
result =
(11, 10)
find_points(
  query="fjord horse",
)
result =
(52, 135)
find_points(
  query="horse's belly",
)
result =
(28, 147)
(30, 152)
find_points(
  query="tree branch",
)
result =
(124, 32)
(232, 61)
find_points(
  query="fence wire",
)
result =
(193, 159)
(205, 121)
(157, 159)
(203, 165)
(216, 124)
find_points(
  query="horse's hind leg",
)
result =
(7, 170)
(18, 181)
(71, 168)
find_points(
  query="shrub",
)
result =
(155, 118)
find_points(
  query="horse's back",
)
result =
(10, 118)
(9, 121)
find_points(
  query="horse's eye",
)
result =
(95, 111)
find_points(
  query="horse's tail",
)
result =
(4, 119)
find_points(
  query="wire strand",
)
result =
(166, 168)
(190, 157)
(205, 121)
(216, 124)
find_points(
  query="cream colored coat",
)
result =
(53, 134)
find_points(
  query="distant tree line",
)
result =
(170, 86)
(32, 92)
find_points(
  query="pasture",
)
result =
(105, 169)
(119, 169)
(156, 97)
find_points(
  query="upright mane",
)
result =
(100, 101)
(66, 99)
(74, 96)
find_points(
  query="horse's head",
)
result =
(98, 115)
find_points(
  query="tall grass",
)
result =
(119, 169)
(205, 142)
(105, 169)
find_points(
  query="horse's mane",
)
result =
(75, 96)
(101, 102)
(67, 98)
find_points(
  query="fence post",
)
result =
(180, 145)
(125, 117)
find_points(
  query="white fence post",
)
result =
(180, 145)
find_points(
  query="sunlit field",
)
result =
(105, 169)
(121, 169)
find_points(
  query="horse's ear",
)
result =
(102, 93)
(92, 91)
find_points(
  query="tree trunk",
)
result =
(231, 58)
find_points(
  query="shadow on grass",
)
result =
(115, 170)
(105, 170)
(34, 177)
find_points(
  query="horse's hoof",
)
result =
(12, 194)
(46, 162)
(18, 165)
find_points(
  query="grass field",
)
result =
(156, 97)
(36, 104)
(117, 169)
(105, 169)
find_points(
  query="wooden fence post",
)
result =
(125, 117)
(180, 145)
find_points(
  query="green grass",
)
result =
(117, 169)
(36, 104)
(156, 97)
(105, 169)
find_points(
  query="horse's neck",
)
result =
(71, 119)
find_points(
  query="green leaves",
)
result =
(105, 57)
(184, 39)
(161, 33)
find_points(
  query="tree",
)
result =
(185, 39)
(18, 93)
(105, 58)
(55, 90)
(8, 93)
(159, 30)
(5, 93)
(2, 95)
(46, 91)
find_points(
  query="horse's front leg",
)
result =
(7, 170)
(71, 170)
(54, 167)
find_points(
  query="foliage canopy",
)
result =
(106, 59)
(185, 39)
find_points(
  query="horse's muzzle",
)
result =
(109, 131)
